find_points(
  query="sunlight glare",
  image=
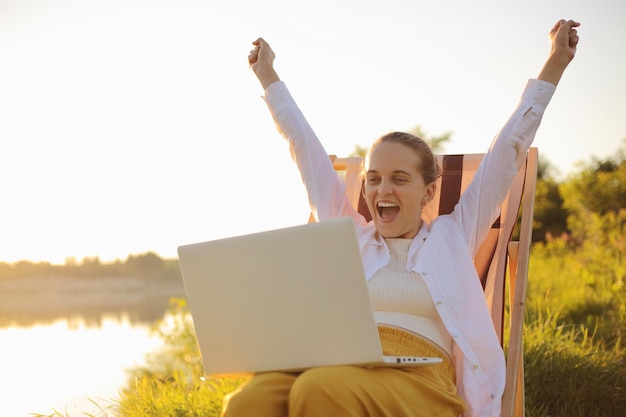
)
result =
(64, 364)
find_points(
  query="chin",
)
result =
(387, 233)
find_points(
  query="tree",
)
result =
(595, 200)
(550, 217)
(147, 265)
(436, 143)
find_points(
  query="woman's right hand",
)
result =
(261, 60)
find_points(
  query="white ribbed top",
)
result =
(400, 298)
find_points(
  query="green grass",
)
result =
(102, 410)
(172, 383)
(575, 359)
(570, 373)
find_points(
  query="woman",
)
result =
(423, 285)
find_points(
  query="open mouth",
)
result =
(387, 210)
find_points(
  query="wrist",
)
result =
(554, 68)
(561, 58)
(266, 75)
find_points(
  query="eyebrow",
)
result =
(398, 171)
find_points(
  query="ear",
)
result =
(430, 192)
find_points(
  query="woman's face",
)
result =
(395, 191)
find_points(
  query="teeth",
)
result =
(386, 204)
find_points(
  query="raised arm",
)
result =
(261, 60)
(479, 205)
(326, 191)
(564, 39)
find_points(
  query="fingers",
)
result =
(573, 38)
(259, 42)
(253, 57)
(556, 26)
(564, 34)
(566, 26)
(572, 34)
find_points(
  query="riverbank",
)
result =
(29, 300)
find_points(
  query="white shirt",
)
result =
(445, 259)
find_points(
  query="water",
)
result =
(67, 365)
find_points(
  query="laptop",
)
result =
(283, 300)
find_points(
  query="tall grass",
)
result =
(570, 373)
(575, 359)
(583, 288)
(172, 383)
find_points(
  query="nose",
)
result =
(385, 187)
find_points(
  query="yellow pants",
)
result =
(353, 391)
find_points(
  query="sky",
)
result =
(129, 126)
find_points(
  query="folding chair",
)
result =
(497, 252)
